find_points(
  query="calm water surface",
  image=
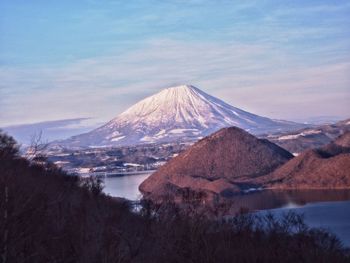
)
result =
(328, 209)
(333, 216)
(126, 186)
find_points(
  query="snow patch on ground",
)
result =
(99, 168)
(311, 132)
(132, 164)
(147, 139)
(177, 131)
(302, 134)
(161, 132)
(289, 137)
(60, 162)
(83, 170)
(113, 134)
(118, 138)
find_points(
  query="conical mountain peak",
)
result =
(176, 113)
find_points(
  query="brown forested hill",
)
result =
(216, 162)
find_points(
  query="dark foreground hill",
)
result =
(215, 163)
(47, 216)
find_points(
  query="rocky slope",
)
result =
(178, 113)
(216, 164)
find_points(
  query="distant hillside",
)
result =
(309, 138)
(327, 167)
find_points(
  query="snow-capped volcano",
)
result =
(176, 113)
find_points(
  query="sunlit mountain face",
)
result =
(176, 113)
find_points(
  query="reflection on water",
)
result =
(329, 209)
(126, 186)
(333, 216)
(269, 199)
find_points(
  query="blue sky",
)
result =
(73, 59)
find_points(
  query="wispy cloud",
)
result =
(278, 60)
(49, 130)
(99, 87)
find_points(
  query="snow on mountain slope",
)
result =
(177, 113)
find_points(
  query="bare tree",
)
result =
(36, 152)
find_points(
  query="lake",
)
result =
(328, 209)
(125, 185)
(333, 216)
